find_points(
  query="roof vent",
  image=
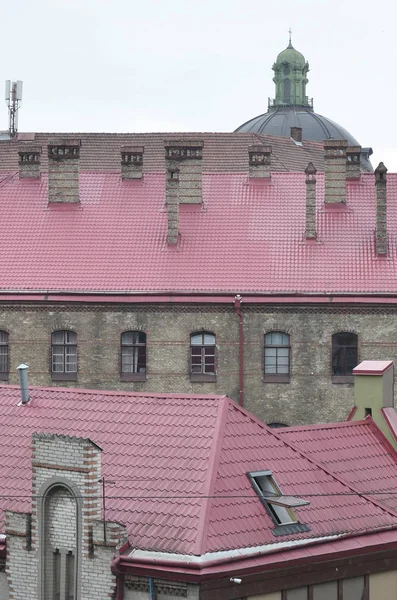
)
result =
(23, 381)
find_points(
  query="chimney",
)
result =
(381, 221)
(373, 391)
(63, 170)
(131, 162)
(23, 381)
(335, 171)
(296, 134)
(259, 161)
(353, 162)
(189, 157)
(311, 201)
(29, 161)
(172, 199)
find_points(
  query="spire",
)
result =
(290, 35)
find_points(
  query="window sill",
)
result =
(3, 376)
(202, 377)
(64, 376)
(277, 378)
(342, 379)
(133, 377)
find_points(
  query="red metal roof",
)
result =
(179, 463)
(356, 450)
(245, 237)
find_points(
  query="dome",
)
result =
(292, 57)
(292, 108)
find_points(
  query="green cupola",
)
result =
(290, 77)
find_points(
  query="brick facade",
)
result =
(310, 396)
(64, 525)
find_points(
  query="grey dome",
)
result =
(279, 120)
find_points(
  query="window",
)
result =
(64, 355)
(277, 357)
(133, 356)
(355, 588)
(202, 356)
(287, 91)
(344, 357)
(279, 507)
(4, 369)
(60, 518)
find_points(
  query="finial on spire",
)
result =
(290, 36)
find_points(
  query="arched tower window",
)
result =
(344, 354)
(287, 90)
(60, 543)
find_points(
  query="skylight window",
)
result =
(279, 507)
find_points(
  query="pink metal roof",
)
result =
(179, 464)
(372, 367)
(356, 450)
(245, 237)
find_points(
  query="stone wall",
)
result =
(309, 397)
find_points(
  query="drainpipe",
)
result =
(151, 589)
(120, 587)
(237, 308)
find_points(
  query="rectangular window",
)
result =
(4, 367)
(202, 356)
(64, 355)
(133, 356)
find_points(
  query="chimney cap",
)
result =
(23, 366)
(380, 168)
(260, 148)
(372, 367)
(310, 169)
(132, 149)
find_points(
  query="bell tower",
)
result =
(290, 77)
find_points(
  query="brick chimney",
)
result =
(63, 170)
(259, 158)
(131, 162)
(335, 171)
(29, 161)
(353, 162)
(381, 213)
(296, 134)
(311, 201)
(172, 200)
(188, 155)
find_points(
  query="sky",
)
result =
(198, 65)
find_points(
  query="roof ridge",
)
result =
(73, 391)
(212, 474)
(316, 426)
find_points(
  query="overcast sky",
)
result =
(198, 65)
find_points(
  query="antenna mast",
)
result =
(13, 96)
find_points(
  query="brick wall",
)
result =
(4, 593)
(66, 472)
(309, 397)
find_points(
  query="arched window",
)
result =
(287, 90)
(277, 356)
(64, 355)
(60, 533)
(133, 356)
(202, 356)
(4, 366)
(344, 356)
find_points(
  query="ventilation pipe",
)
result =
(23, 381)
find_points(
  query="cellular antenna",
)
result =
(13, 97)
